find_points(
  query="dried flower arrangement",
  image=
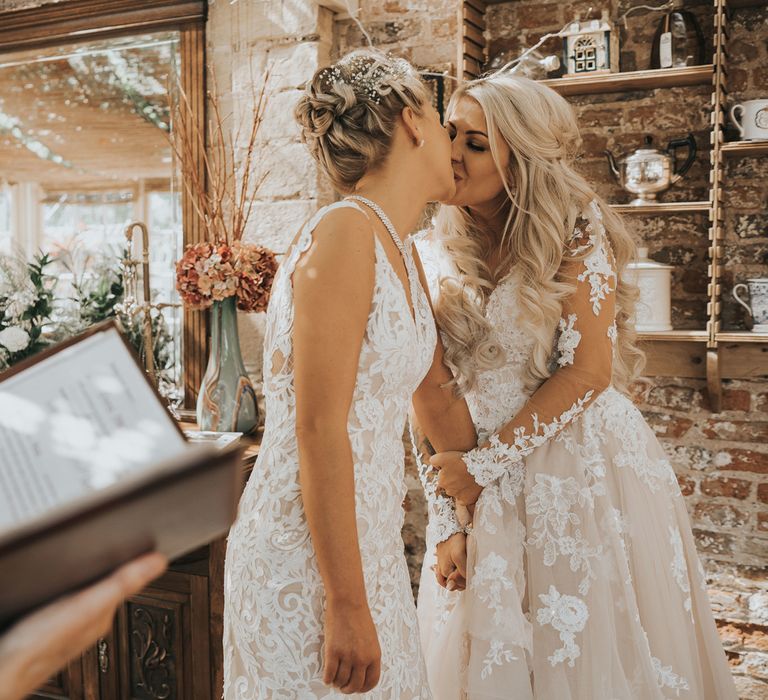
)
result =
(223, 265)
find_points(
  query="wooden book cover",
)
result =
(94, 471)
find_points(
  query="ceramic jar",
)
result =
(654, 280)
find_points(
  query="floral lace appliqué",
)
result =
(679, 568)
(497, 655)
(667, 678)
(568, 615)
(489, 579)
(599, 272)
(568, 341)
(487, 464)
(555, 527)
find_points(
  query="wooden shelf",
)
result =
(675, 336)
(659, 208)
(635, 80)
(745, 148)
(741, 337)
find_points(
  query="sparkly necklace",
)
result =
(384, 220)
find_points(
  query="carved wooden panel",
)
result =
(155, 650)
(162, 641)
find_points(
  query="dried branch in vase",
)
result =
(223, 191)
(222, 266)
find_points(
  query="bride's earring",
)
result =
(420, 143)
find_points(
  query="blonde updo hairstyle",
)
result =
(349, 111)
(546, 196)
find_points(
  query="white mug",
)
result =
(754, 119)
(758, 306)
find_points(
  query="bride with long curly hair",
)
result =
(570, 532)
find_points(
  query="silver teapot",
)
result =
(648, 170)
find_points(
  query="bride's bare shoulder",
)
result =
(342, 243)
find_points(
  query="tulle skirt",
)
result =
(583, 584)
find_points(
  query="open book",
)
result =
(94, 471)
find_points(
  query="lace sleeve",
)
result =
(443, 521)
(586, 335)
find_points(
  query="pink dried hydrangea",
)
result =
(208, 273)
(256, 267)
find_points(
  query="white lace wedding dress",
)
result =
(274, 599)
(583, 577)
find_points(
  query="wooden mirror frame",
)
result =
(81, 20)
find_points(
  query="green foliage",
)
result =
(99, 294)
(28, 303)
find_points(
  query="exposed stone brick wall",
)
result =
(423, 31)
(721, 459)
(244, 40)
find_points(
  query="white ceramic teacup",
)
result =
(758, 306)
(754, 119)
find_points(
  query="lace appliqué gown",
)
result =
(274, 598)
(583, 577)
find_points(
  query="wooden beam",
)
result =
(675, 359)
(743, 361)
(195, 328)
(77, 20)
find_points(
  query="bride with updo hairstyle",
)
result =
(318, 600)
(349, 130)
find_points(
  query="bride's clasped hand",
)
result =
(454, 478)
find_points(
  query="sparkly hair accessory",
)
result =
(368, 76)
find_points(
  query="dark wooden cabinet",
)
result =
(165, 643)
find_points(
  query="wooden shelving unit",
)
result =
(675, 336)
(660, 208)
(712, 353)
(741, 337)
(744, 148)
(636, 80)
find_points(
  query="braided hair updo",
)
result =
(349, 110)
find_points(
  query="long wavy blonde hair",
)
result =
(545, 198)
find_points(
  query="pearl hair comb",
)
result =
(368, 76)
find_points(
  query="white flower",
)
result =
(14, 338)
(19, 302)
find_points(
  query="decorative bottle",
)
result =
(678, 41)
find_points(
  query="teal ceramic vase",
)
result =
(227, 401)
